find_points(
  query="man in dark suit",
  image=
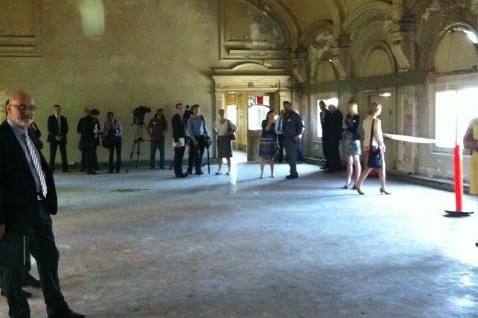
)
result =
(333, 135)
(82, 143)
(57, 130)
(178, 123)
(90, 130)
(27, 200)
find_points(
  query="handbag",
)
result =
(375, 159)
(108, 141)
(231, 133)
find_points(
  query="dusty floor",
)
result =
(145, 244)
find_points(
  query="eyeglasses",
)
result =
(24, 107)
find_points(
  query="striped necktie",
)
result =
(36, 163)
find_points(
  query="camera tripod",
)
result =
(138, 139)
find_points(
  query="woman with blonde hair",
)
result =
(351, 143)
(373, 140)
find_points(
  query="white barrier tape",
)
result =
(419, 140)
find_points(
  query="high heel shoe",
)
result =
(358, 190)
(383, 191)
(347, 185)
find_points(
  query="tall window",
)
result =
(231, 106)
(258, 106)
(454, 110)
(328, 101)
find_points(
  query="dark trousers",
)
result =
(53, 147)
(291, 151)
(83, 161)
(16, 247)
(196, 154)
(91, 158)
(44, 250)
(178, 160)
(300, 157)
(325, 151)
(333, 154)
(280, 153)
(159, 146)
(116, 147)
(27, 266)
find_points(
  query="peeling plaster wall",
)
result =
(144, 52)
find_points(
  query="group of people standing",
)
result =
(92, 135)
(285, 132)
(190, 129)
(336, 127)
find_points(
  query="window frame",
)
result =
(457, 83)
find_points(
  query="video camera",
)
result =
(138, 114)
(187, 113)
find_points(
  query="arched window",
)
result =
(456, 95)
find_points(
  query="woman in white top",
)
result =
(377, 141)
(224, 129)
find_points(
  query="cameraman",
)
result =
(197, 131)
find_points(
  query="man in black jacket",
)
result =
(292, 127)
(178, 123)
(332, 134)
(27, 200)
(57, 131)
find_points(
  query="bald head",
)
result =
(20, 109)
(20, 96)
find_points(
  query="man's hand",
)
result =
(2, 231)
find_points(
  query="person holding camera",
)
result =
(197, 131)
(113, 132)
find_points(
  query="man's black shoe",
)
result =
(292, 177)
(182, 175)
(67, 314)
(31, 281)
(25, 293)
(199, 173)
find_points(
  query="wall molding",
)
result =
(20, 28)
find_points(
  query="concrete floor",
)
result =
(144, 244)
